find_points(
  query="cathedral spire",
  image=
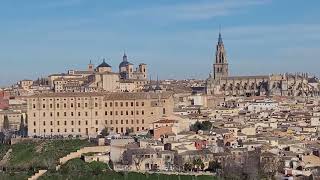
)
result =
(124, 58)
(220, 37)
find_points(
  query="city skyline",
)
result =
(259, 37)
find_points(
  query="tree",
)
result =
(6, 124)
(128, 131)
(104, 132)
(187, 166)
(198, 164)
(214, 166)
(205, 126)
(22, 127)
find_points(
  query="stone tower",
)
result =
(220, 67)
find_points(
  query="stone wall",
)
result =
(77, 154)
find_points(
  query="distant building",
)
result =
(220, 83)
(102, 78)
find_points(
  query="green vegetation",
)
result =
(15, 176)
(3, 150)
(204, 126)
(77, 169)
(42, 154)
(6, 124)
(28, 157)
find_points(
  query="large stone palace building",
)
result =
(86, 114)
(220, 83)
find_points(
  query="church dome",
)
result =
(124, 62)
(103, 64)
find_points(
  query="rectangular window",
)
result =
(111, 113)
(96, 113)
(142, 103)
(79, 105)
(51, 106)
(96, 122)
(71, 105)
(43, 106)
(65, 122)
(86, 113)
(96, 104)
(44, 114)
(58, 123)
(110, 104)
(85, 104)
(34, 106)
(51, 123)
(106, 113)
(111, 121)
(127, 104)
(79, 113)
(116, 104)
(131, 104)
(79, 123)
(71, 113)
(105, 104)
(105, 121)
(142, 112)
(116, 113)
(64, 113)
(58, 114)
(58, 105)
(71, 122)
(121, 104)
(137, 103)
(86, 122)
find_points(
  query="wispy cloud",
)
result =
(200, 10)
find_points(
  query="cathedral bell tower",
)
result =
(220, 67)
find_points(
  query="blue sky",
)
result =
(176, 38)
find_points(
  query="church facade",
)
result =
(220, 83)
